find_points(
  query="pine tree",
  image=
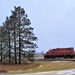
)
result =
(25, 32)
(13, 21)
(7, 37)
(19, 36)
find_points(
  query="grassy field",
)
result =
(17, 67)
(48, 66)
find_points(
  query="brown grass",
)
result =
(51, 66)
(8, 68)
(37, 67)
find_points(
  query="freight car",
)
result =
(60, 52)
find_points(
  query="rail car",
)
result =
(60, 52)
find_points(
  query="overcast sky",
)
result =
(53, 20)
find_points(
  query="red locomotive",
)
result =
(60, 52)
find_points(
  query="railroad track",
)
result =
(56, 59)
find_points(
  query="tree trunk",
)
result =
(19, 48)
(1, 44)
(19, 41)
(15, 47)
(9, 47)
(1, 49)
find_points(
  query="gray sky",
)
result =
(53, 20)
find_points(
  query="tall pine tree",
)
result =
(19, 36)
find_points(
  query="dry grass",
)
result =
(37, 67)
(9, 68)
(50, 66)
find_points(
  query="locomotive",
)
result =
(60, 52)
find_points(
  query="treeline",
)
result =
(17, 40)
